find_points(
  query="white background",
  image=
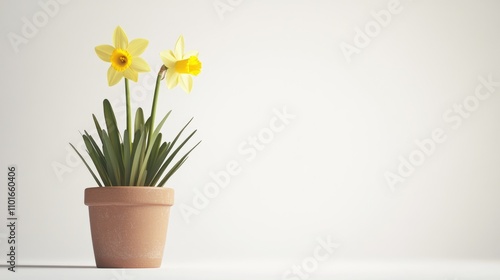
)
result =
(322, 175)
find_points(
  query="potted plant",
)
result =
(129, 209)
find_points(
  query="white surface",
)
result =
(258, 270)
(321, 174)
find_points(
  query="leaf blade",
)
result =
(88, 167)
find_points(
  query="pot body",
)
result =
(129, 225)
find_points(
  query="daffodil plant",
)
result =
(139, 157)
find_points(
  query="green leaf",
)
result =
(97, 157)
(171, 157)
(178, 164)
(139, 120)
(98, 127)
(155, 149)
(170, 147)
(172, 171)
(88, 167)
(112, 164)
(107, 180)
(156, 164)
(113, 133)
(145, 157)
(153, 156)
(126, 159)
(94, 145)
(141, 180)
(136, 156)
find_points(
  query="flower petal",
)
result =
(114, 76)
(172, 78)
(130, 74)
(186, 83)
(104, 52)
(139, 65)
(137, 46)
(120, 38)
(168, 58)
(179, 48)
(190, 54)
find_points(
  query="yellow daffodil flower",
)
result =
(124, 57)
(181, 66)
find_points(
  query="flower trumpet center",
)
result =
(188, 66)
(120, 59)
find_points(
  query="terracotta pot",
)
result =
(129, 225)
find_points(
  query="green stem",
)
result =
(129, 114)
(155, 99)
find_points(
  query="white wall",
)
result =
(323, 174)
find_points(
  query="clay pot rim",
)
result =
(129, 195)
